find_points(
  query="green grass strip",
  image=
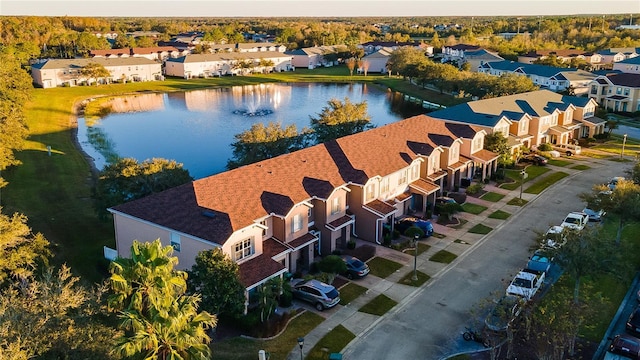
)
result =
(443, 256)
(333, 342)
(350, 292)
(379, 305)
(581, 167)
(492, 196)
(517, 202)
(539, 186)
(499, 214)
(480, 229)
(473, 208)
(560, 163)
(382, 267)
(408, 279)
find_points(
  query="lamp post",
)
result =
(301, 344)
(523, 175)
(415, 257)
(624, 141)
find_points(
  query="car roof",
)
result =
(555, 229)
(318, 285)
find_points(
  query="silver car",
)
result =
(321, 295)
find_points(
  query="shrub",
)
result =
(475, 188)
(286, 299)
(332, 264)
(602, 136)
(336, 252)
(351, 244)
(386, 241)
(545, 147)
(413, 231)
(396, 234)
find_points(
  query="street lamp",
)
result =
(301, 344)
(415, 257)
(624, 141)
(523, 175)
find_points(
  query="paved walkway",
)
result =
(456, 240)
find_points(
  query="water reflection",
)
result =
(197, 127)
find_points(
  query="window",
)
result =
(415, 172)
(523, 125)
(626, 91)
(371, 192)
(554, 119)
(618, 90)
(335, 205)
(175, 242)
(264, 230)
(242, 249)
(402, 178)
(434, 163)
(384, 185)
(454, 152)
(296, 225)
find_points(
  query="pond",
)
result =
(196, 128)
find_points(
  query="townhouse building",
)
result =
(208, 65)
(631, 66)
(280, 214)
(530, 119)
(158, 53)
(617, 92)
(68, 72)
(313, 57)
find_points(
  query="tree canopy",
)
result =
(127, 180)
(159, 321)
(216, 277)
(340, 118)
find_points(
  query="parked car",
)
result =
(525, 284)
(575, 220)
(625, 345)
(539, 262)
(554, 238)
(356, 268)
(506, 309)
(442, 200)
(568, 149)
(535, 159)
(321, 295)
(425, 225)
(633, 323)
(614, 181)
(594, 215)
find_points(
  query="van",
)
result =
(568, 149)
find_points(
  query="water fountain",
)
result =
(256, 101)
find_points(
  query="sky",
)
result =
(314, 8)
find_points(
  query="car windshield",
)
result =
(524, 283)
(357, 263)
(571, 220)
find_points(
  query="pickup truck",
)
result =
(526, 284)
(575, 220)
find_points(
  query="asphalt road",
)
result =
(428, 325)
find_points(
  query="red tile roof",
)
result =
(238, 197)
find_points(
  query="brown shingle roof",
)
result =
(258, 269)
(485, 155)
(424, 186)
(380, 207)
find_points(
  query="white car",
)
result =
(554, 238)
(575, 220)
(526, 284)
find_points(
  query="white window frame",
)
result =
(402, 177)
(175, 242)
(296, 223)
(434, 164)
(335, 205)
(384, 185)
(371, 192)
(243, 249)
(415, 172)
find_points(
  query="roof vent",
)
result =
(208, 213)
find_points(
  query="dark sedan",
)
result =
(535, 159)
(356, 268)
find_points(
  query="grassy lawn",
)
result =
(443, 256)
(581, 167)
(378, 305)
(499, 214)
(405, 87)
(558, 162)
(473, 208)
(480, 229)
(492, 196)
(533, 172)
(333, 342)
(517, 202)
(614, 146)
(382, 267)
(407, 279)
(539, 186)
(350, 292)
(239, 348)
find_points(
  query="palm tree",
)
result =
(159, 321)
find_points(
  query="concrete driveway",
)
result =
(428, 322)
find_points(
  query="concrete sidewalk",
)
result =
(457, 240)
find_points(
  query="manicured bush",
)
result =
(413, 231)
(545, 147)
(286, 299)
(351, 244)
(475, 188)
(332, 264)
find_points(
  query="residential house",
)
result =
(259, 47)
(631, 66)
(111, 53)
(67, 72)
(477, 57)
(208, 65)
(377, 61)
(278, 215)
(158, 53)
(617, 92)
(553, 78)
(456, 53)
(614, 55)
(313, 57)
(564, 55)
(374, 46)
(530, 119)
